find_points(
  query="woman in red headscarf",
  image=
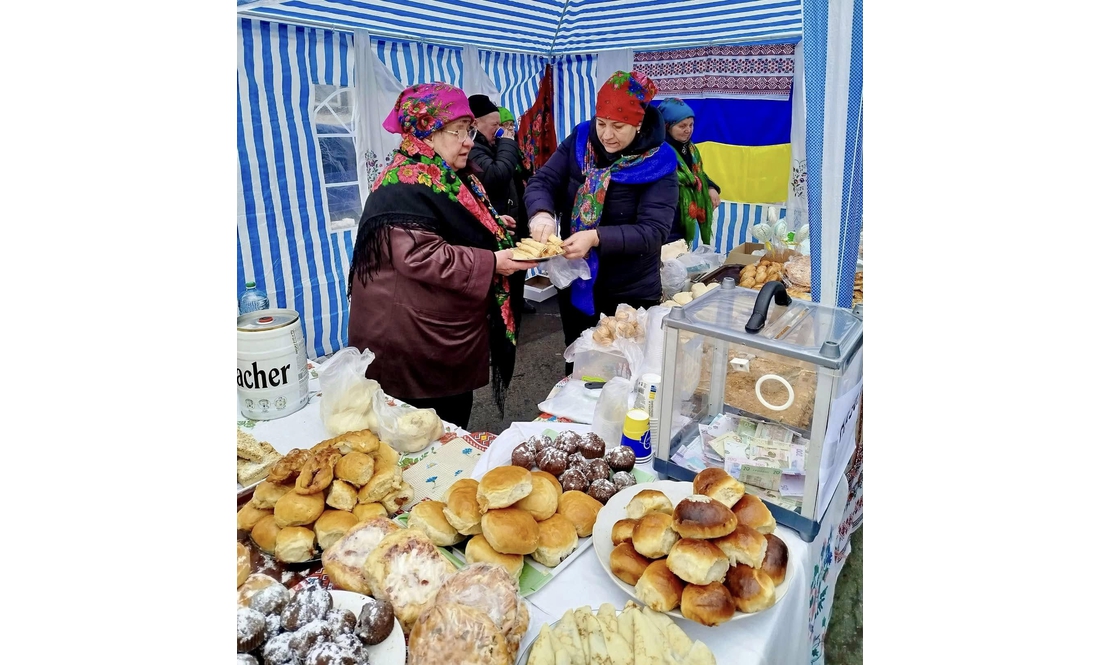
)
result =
(428, 281)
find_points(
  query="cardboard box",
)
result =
(742, 254)
(538, 289)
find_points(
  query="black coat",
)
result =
(637, 216)
(496, 167)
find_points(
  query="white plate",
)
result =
(615, 510)
(391, 651)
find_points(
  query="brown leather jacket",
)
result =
(425, 315)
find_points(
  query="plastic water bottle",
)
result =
(252, 299)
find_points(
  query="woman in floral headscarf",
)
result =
(613, 185)
(428, 284)
(698, 193)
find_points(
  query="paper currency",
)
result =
(774, 432)
(761, 476)
(792, 485)
(790, 503)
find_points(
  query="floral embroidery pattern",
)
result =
(819, 590)
(798, 179)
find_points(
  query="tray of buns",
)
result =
(703, 551)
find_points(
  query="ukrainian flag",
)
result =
(746, 146)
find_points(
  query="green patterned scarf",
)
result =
(695, 207)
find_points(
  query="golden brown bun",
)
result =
(449, 629)
(581, 510)
(363, 441)
(395, 501)
(295, 544)
(709, 605)
(658, 588)
(294, 509)
(752, 512)
(386, 479)
(249, 515)
(745, 545)
(462, 510)
(653, 535)
(511, 530)
(265, 532)
(267, 493)
(698, 561)
(343, 561)
(542, 502)
(503, 486)
(751, 588)
(342, 495)
(365, 511)
(719, 485)
(775, 561)
(557, 540)
(702, 517)
(492, 590)
(407, 570)
(648, 501)
(355, 468)
(478, 550)
(623, 531)
(244, 564)
(385, 454)
(332, 525)
(428, 517)
(626, 564)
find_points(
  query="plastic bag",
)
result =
(562, 271)
(701, 261)
(629, 350)
(654, 349)
(611, 407)
(674, 277)
(347, 395)
(405, 429)
(573, 402)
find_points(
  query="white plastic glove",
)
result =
(542, 225)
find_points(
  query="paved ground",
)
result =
(539, 365)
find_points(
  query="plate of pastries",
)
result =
(635, 635)
(312, 498)
(529, 249)
(704, 551)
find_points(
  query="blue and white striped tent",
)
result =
(286, 50)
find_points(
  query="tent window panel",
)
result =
(344, 207)
(338, 159)
(334, 117)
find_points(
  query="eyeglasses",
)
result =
(468, 134)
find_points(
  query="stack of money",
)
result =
(772, 458)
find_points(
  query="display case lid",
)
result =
(824, 335)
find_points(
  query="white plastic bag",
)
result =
(574, 402)
(630, 350)
(674, 277)
(347, 395)
(611, 407)
(563, 271)
(405, 429)
(701, 261)
(654, 351)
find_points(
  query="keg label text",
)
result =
(259, 379)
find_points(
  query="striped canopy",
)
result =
(548, 27)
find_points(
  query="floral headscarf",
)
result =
(425, 108)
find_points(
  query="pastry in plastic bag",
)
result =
(491, 589)
(405, 430)
(347, 395)
(451, 634)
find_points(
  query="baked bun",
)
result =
(752, 512)
(295, 544)
(623, 531)
(343, 560)
(511, 530)
(385, 455)
(406, 570)
(492, 590)
(648, 501)
(751, 588)
(627, 564)
(264, 534)
(698, 561)
(244, 564)
(775, 561)
(364, 441)
(294, 509)
(745, 545)
(267, 493)
(478, 550)
(542, 502)
(386, 479)
(702, 517)
(332, 525)
(581, 510)
(342, 495)
(255, 583)
(719, 485)
(448, 630)
(653, 535)
(428, 517)
(658, 588)
(355, 468)
(249, 515)
(557, 540)
(709, 605)
(395, 501)
(462, 510)
(365, 511)
(503, 486)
